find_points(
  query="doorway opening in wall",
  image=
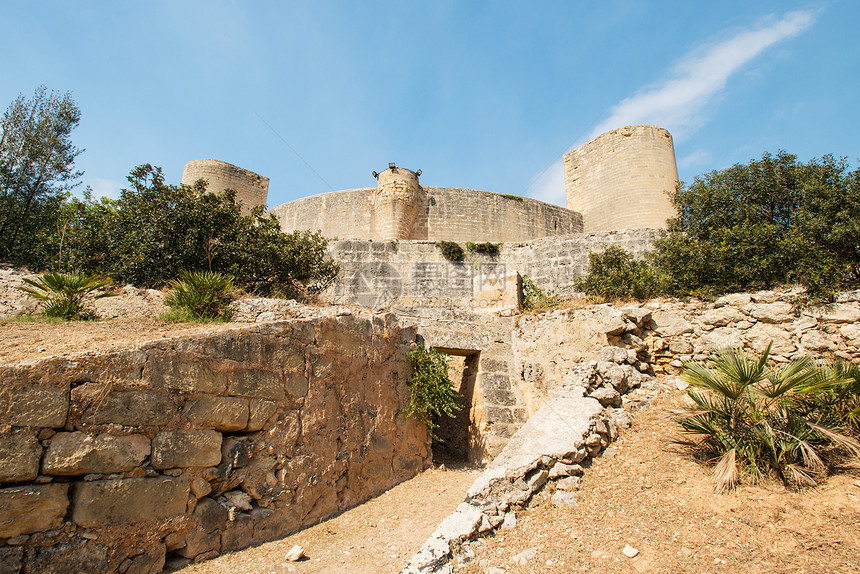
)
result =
(458, 440)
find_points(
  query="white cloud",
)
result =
(105, 188)
(678, 102)
(698, 157)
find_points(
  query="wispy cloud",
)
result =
(678, 102)
(105, 187)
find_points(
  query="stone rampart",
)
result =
(251, 188)
(416, 273)
(448, 214)
(185, 448)
(622, 179)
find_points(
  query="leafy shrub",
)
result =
(451, 250)
(200, 294)
(773, 221)
(615, 274)
(759, 420)
(491, 249)
(537, 299)
(432, 391)
(154, 231)
(65, 293)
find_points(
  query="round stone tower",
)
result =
(396, 202)
(251, 188)
(622, 179)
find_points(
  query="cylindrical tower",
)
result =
(396, 202)
(251, 188)
(622, 179)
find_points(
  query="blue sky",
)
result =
(483, 95)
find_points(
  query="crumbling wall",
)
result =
(185, 448)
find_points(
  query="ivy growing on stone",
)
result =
(432, 391)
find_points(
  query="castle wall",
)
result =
(415, 273)
(621, 179)
(448, 214)
(195, 446)
(251, 188)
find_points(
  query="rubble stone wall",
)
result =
(185, 448)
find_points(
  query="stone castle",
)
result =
(617, 181)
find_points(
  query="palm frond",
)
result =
(726, 474)
(850, 444)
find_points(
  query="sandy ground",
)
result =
(20, 340)
(377, 537)
(647, 494)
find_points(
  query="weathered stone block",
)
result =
(85, 557)
(128, 500)
(34, 406)
(26, 509)
(779, 312)
(333, 340)
(10, 559)
(239, 534)
(296, 386)
(219, 413)
(207, 522)
(20, 453)
(668, 324)
(150, 562)
(260, 411)
(183, 372)
(257, 383)
(278, 353)
(721, 316)
(80, 453)
(129, 408)
(181, 449)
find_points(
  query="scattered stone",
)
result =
(295, 554)
(570, 483)
(561, 469)
(629, 551)
(526, 556)
(563, 499)
(510, 521)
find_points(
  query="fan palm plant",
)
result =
(65, 293)
(748, 417)
(201, 294)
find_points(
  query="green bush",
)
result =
(615, 274)
(537, 299)
(773, 221)
(511, 196)
(200, 295)
(451, 250)
(154, 231)
(431, 390)
(491, 249)
(65, 293)
(758, 421)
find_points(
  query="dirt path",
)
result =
(649, 495)
(378, 537)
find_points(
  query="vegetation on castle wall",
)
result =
(537, 299)
(491, 249)
(451, 250)
(616, 274)
(431, 390)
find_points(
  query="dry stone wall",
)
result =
(185, 448)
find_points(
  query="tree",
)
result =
(156, 231)
(770, 222)
(36, 168)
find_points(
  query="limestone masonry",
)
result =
(618, 181)
(251, 188)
